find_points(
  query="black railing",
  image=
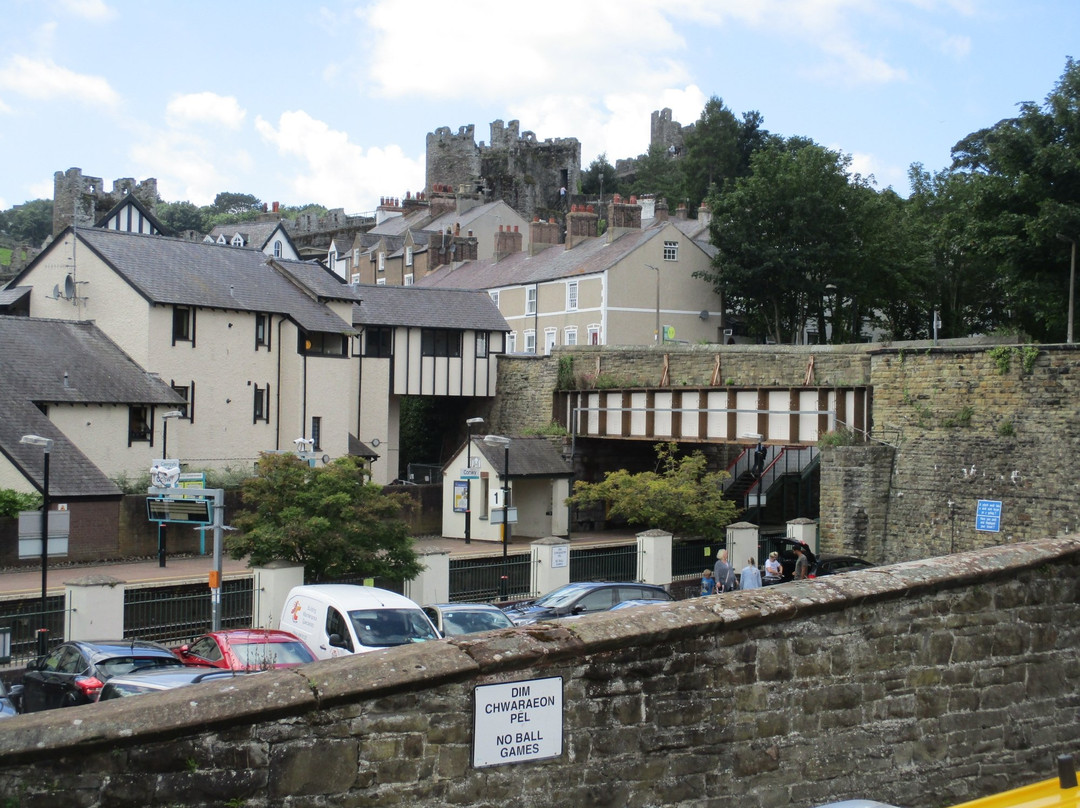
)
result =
(481, 580)
(24, 617)
(619, 563)
(173, 615)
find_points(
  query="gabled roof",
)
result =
(317, 279)
(589, 257)
(471, 215)
(49, 362)
(529, 457)
(426, 308)
(133, 201)
(175, 272)
(9, 296)
(397, 225)
(255, 234)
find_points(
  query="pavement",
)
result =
(196, 569)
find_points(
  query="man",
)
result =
(750, 577)
(802, 565)
(724, 573)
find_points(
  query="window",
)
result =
(262, 331)
(183, 324)
(356, 256)
(316, 433)
(380, 281)
(530, 300)
(407, 280)
(138, 424)
(671, 251)
(440, 342)
(495, 298)
(322, 343)
(511, 342)
(571, 296)
(530, 341)
(261, 404)
(594, 335)
(382, 262)
(188, 393)
(481, 344)
(335, 624)
(379, 342)
(550, 337)
(408, 256)
(277, 249)
(237, 240)
(331, 257)
(355, 278)
(570, 336)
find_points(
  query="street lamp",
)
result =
(657, 271)
(46, 445)
(1072, 284)
(499, 440)
(469, 423)
(165, 418)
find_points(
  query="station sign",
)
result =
(185, 510)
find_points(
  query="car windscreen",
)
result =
(558, 597)
(469, 622)
(119, 690)
(118, 666)
(270, 654)
(379, 628)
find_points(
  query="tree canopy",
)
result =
(331, 519)
(682, 498)
(29, 223)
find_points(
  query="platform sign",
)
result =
(185, 510)
(30, 533)
(500, 515)
(517, 722)
(461, 496)
(988, 515)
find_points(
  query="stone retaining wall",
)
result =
(922, 684)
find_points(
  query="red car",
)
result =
(246, 649)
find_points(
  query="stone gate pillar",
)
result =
(804, 530)
(550, 564)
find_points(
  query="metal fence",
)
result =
(491, 579)
(172, 615)
(24, 617)
(618, 563)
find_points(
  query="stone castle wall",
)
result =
(84, 200)
(921, 685)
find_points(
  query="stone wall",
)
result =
(922, 684)
(85, 200)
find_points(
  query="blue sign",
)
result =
(988, 515)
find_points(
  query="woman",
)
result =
(774, 573)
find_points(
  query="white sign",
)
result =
(470, 474)
(518, 721)
(560, 556)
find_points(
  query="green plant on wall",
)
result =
(841, 436)
(1029, 354)
(962, 418)
(1001, 356)
(1006, 429)
(552, 428)
(565, 377)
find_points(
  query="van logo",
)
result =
(295, 611)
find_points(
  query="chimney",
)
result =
(704, 215)
(623, 217)
(648, 207)
(507, 242)
(542, 235)
(581, 224)
(276, 207)
(661, 214)
(681, 213)
(441, 200)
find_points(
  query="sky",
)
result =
(332, 102)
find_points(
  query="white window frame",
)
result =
(382, 262)
(572, 296)
(530, 300)
(408, 256)
(594, 331)
(530, 341)
(354, 278)
(511, 342)
(551, 339)
(671, 251)
(495, 297)
(380, 281)
(277, 248)
(407, 280)
(570, 335)
(237, 240)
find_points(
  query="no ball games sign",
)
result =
(517, 721)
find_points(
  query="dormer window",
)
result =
(237, 240)
(221, 239)
(277, 249)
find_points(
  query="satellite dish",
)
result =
(704, 315)
(55, 292)
(326, 459)
(69, 288)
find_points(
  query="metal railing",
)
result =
(24, 617)
(618, 563)
(480, 580)
(172, 615)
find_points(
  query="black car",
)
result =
(153, 680)
(74, 673)
(582, 598)
(832, 564)
(786, 548)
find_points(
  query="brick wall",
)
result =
(923, 684)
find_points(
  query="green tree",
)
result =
(658, 173)
(711, 152)
(181, 216)
(232, 202)
(28, 223)
(682, 497)
(12, 502)
(600, 175)
(331, 519)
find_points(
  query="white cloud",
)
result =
(336, 172)
(4, 110)
(44, 80)
(88, 9)
(869, 165)
(186, 167)
(205, 107)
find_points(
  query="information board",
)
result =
(988, 515)
(517, 721)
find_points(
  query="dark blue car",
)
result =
(582, 598)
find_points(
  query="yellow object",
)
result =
(1047, 794)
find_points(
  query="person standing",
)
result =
(750, 577)
(802, 564)
(774, 572)
(724, 573)
(708, 583)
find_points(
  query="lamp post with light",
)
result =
(499, 440)
(46, 445)
(162, 527)
(469, 422)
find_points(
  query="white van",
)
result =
(339, 619)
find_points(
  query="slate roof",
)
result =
(12, 295)
(589, 257)
(397, 225)
(255, 234)
(427, 308)
(315, 277)
(59, 361)
(529, 457)
(452, 218)
(193, 273)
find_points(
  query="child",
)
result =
(708, 583)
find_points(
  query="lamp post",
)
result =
(165, 418)
(499, 440)
(657, 271)
(46, 445)
(1072, 285)
(469, 423)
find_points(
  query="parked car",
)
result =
(339, 619)
(629, 604)
(10, 699)
(154, 680)
(582, 598)
(74, 672)
(786, 548)
(246, 649)
(452, 619)
(832, 564)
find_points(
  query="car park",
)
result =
(454, 619)
(74, 672)
(155, 680)
(582, 598)
(10, 698)
(833, 564)
(246, 649)
(339, 619)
